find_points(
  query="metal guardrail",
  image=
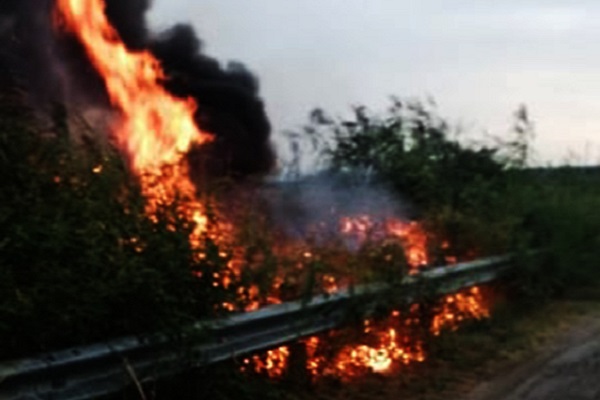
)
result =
(95, 370)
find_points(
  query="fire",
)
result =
(384, 345)
(155, 129)
(458, 307)
(379, 358)
(273, 364)
(414, 239)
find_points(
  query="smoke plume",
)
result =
(53, 68)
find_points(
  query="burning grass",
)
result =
(382, 345)
(457, 361)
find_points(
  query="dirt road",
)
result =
(567, 369)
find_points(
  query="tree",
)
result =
(410, 148)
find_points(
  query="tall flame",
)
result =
(156, 129)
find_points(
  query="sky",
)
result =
(478, 59)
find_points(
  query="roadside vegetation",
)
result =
(483, 199)
(81, 262)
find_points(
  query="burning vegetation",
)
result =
(381, 345)
(114, 218)
(156, 130)
(236, 260)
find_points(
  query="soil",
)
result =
(568, 368)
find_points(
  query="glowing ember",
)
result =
(363, 228)
(274, 363)
(414, 238)
(458, 307)
(386, 344)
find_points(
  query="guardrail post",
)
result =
(297, 373)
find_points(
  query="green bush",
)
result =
(411, 150)
(481, 201)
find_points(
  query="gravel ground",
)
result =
(568, 369)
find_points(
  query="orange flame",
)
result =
(409, 233)
(459, 307)
(414, 238)
(391, 343)
(156, 129)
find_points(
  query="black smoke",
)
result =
(54, 66)
(228, 102)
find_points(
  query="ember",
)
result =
(410, 234)
(384, 345)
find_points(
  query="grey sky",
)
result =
(479, 59)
